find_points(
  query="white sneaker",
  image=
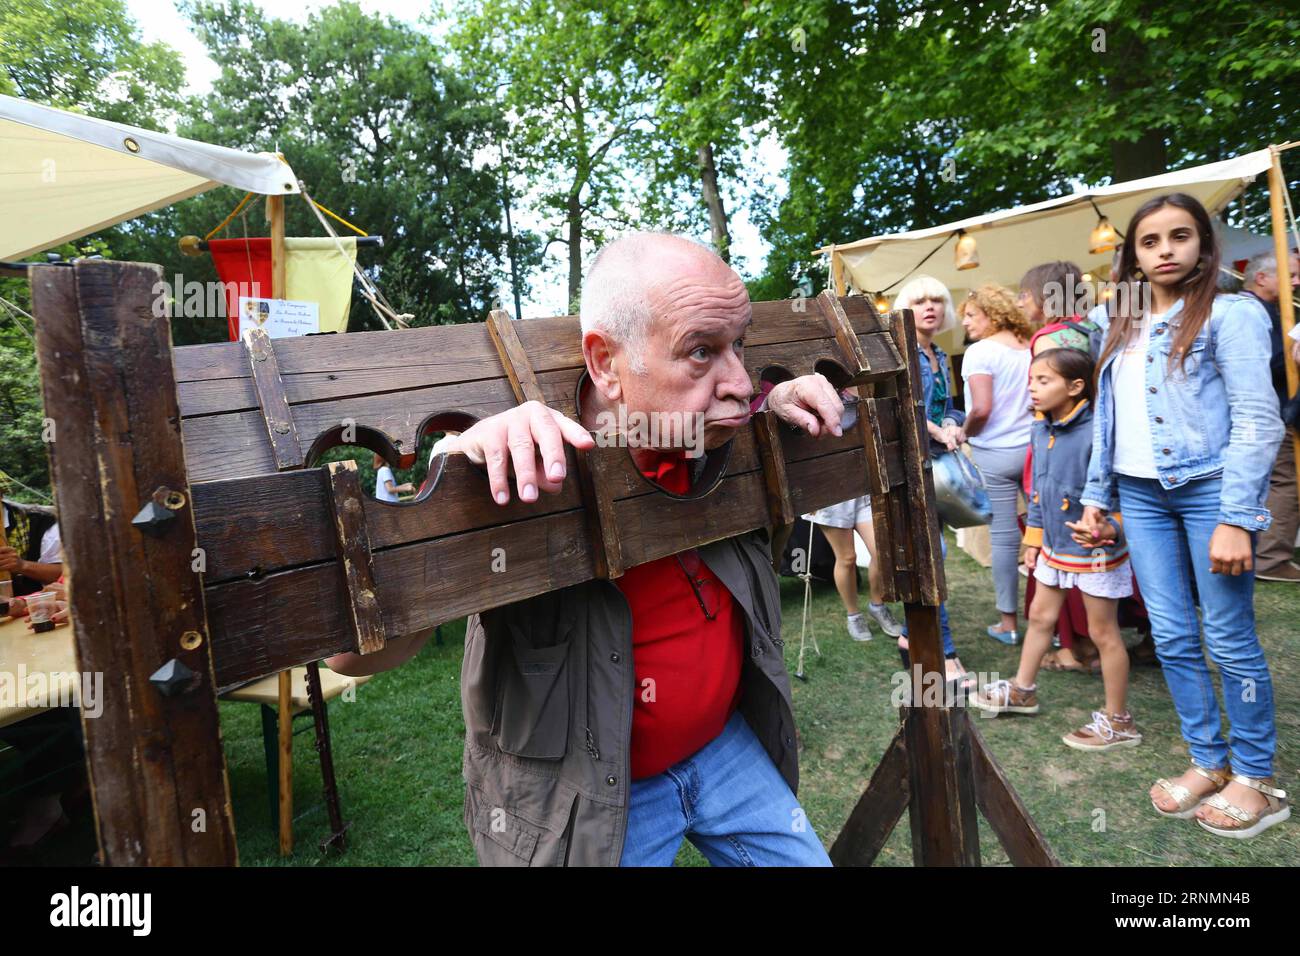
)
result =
(885, 620)
(858, 628)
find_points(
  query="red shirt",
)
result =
(687, 667)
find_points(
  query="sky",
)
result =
(160, 20)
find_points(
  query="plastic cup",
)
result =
(6, 595)
(40, 608)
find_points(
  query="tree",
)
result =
(88, 57)
(906, 114)
(565, 73)
(700, 61)
(379, 130)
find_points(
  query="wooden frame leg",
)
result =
(286, 762)
(337, 839)
(878, 809)
(271, 751)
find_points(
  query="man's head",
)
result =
(1260, 275)
(662, 322)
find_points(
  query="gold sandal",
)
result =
(1249, 823)
(1186, 800)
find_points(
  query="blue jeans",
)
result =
(729, 800)
(1169, 544)
(949, 648)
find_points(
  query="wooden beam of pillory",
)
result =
(126, 518)
(299, 565)
(271, 400)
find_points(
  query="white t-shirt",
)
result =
(383, 475)
(1133, 453)
(1010, 418)
(51, 544)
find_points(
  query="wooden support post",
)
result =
(275, 216)
(837, 272)
(272, 400)
(156, 765)
(353, 543)
(779, 506)
(1285, 304)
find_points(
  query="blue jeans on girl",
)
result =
(1169, 544)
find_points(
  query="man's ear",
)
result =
(599, 353)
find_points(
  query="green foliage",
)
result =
(565, 73)
(86, 56)
(379, 130)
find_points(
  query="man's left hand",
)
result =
(809, 402)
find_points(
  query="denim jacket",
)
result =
(950, 414)
(1217, 416)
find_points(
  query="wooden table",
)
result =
(25, 653)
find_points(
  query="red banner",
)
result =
(244, 266)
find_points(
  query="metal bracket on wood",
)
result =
(272, 400)
(343, 487)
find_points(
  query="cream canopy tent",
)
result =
(64, 175)
(1011, 241)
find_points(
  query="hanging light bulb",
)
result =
(1104, 238)
(882, 303)
(967, 255)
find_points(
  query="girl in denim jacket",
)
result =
(1185, 433)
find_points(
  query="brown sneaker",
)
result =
(1005, 697)
(1104, 733)
(1288, 572)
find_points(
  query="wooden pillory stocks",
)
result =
(169, 463)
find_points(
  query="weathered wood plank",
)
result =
(280, 620)
(518, 368)
(353, 546)
(155, 762)
(271, 400)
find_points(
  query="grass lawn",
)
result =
(397, 749)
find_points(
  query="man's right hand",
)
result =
(530, 438)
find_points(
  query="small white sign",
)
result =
(279, 318)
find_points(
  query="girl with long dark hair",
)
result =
(1185, 432)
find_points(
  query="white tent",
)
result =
(64, 175)
(1011, 241)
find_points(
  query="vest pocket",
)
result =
(533, 701)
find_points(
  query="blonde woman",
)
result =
(932, 313)
(995, 370)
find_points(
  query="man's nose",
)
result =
(735, 380)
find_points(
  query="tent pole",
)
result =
(275, 215)
(837, 272)
(1276, 186)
